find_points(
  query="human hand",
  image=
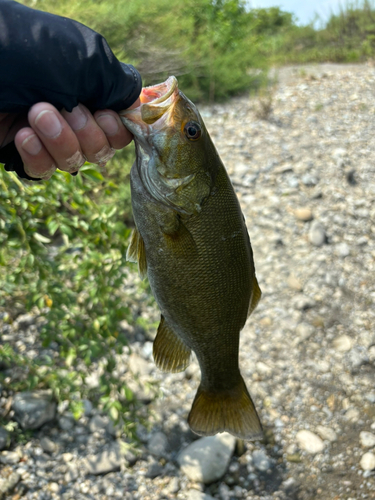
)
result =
(48, 139)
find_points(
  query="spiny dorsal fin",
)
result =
(170, 353)
(255, 297)
(137, 253)
(231, 410)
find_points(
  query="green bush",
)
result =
(63, 245)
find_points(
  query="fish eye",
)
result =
(192, 131)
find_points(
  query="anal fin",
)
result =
(170, 353)
(255, 297)
(232, 411)
(137, 253)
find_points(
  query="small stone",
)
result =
(303, 214)
(4, 438)
(47, 444)
(326, 433)
(357, 357)
(66, 423)
(352, 415)
(173, 486)
(154, 470)
(53, 487)
(193, 459)
(368, 461)
(158, 444)
(261, 461)
(139, 366)
(67, 457)
(9, 457)
(342, 250)
(71, 474)
(294, 283)
(98, 423)
(304, 331)
(198, 495)
(367, 439)
(342, 343)
(310, 442)
(317, 234)
(302, 302)
(33, 409)
(87, 407)
(309, 180)
(104, 462)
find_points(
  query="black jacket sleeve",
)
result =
(49, 58)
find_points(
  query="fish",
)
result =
(190, 239)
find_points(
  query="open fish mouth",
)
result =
(154, 113)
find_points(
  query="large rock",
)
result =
(104, 462)
(206, 460)
(33, 409)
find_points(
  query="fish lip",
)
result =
(154, 111)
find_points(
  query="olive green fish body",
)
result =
(192, 241)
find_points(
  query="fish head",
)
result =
(175, 154)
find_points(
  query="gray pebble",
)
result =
(104, 462)
(158, 444)
(4, 438)
(33, 409)
(317, 234)
(193, 459)
(198, 495)
(261, 461)
(48, 445)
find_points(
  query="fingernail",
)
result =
(48, 123)
(75, 162)
(104, 155)
(48, 173)
(108, 124)
(77, 119)
(32, 145)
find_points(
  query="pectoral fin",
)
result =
(255, 297)
(170, 353)
(137, 253)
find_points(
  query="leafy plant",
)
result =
(63, 244)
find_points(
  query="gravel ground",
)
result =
(302, 162)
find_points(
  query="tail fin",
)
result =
(232, 411)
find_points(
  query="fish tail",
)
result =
(230, 410)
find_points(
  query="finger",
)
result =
(92, 139)
(117, 135)
(57, 136)
(38, 163)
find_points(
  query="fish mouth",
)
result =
(154, 112)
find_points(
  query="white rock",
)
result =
(310, 442)
(198, 495)
(367, 439)
(261, 461)
(343, 343)
(326, 433)
(317, 234)
(368, 461)
(207, 459)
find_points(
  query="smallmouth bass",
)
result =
(192, 243)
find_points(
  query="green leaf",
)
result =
(92, 174)
(42, 239)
